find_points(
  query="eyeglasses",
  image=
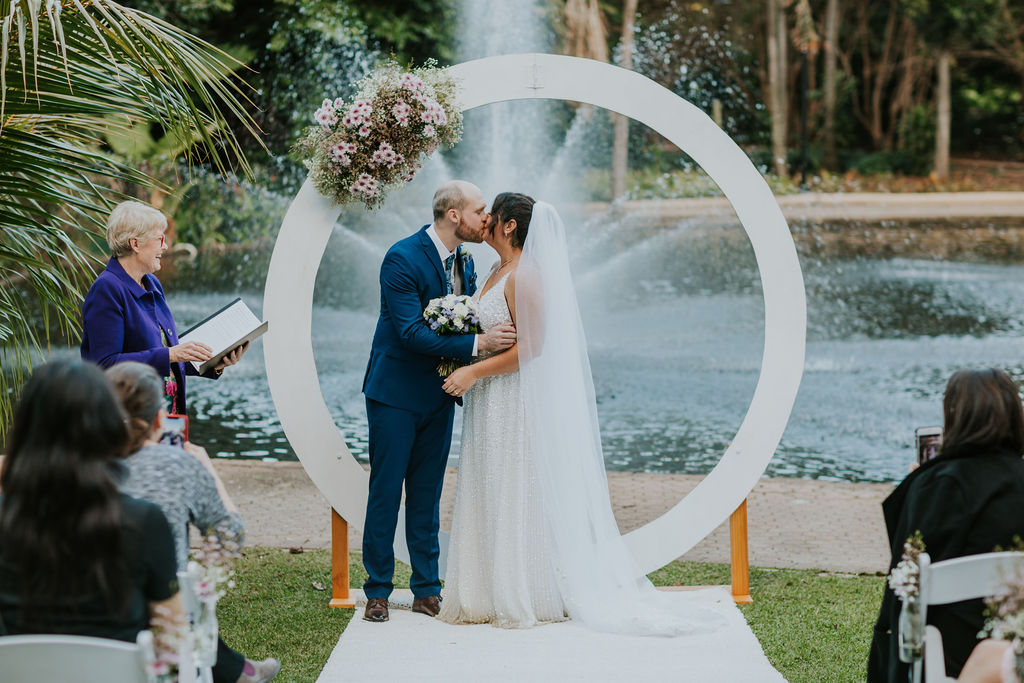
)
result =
(163, 240)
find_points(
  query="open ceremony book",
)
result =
(225, 330)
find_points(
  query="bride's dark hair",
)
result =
(513, 206)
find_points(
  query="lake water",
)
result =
(674, 318)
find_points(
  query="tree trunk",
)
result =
(830, 158)
(943, 117)
(620, 145)
(777, 83)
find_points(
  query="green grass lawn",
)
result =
(814, 626)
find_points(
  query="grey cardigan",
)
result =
(183, 489)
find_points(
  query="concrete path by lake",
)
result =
(861, 206)
(793, 523)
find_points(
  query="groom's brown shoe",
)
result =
(429, 605)
(376, 610)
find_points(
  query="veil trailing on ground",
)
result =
(601, 584)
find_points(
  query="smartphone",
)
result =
(175, 430)
(929, 441)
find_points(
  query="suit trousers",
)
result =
(410, 447)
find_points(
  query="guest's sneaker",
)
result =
(259, 672)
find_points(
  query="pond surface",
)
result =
(674, 318)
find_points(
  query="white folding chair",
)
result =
(205, 656)
(75, 659)
(962, 578)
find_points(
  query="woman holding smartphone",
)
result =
(185, 485)
(77, 557)
(965, 501)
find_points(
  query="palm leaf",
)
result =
(72, 73)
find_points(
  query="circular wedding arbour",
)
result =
(288, 299)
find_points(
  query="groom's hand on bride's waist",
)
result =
(498, 338)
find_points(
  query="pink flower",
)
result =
(341, 151)
(411, 82)
(339, 103)
(401, 112)
(326, 104)
(325, 116)
(364, 130)
(428, 131)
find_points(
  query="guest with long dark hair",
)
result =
(965, 501)
(76, 556)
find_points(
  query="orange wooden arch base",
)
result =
(739, 556)
(341, 595)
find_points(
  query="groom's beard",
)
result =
(466, 235)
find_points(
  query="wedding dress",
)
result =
(498, 568)
(533, 525)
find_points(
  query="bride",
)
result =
(533, 536)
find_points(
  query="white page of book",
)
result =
(223, 331)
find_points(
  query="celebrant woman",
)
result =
(125, 315)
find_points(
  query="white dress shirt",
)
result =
(443, 253)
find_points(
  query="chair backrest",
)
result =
(78, 659)
(196, 665)
(965, 578)
(961, 578)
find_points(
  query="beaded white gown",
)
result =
(499, 570)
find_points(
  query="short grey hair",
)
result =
(451, 195)
(132, 219)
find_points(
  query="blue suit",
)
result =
(410, 416)
(123, 320)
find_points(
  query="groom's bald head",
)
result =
(454, 194)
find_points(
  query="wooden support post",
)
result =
(339, 563)
(740, 566)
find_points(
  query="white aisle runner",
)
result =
(414, 647)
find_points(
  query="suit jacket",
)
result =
(963, 504)
(122, 321)
(402, 371)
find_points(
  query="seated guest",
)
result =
(76, 556)
(965, 501)
(185, 486)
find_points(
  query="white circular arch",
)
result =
(288, 300)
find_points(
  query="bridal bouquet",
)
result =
(452, 314)
(365, 147)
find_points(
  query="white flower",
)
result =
(326, 104)
(428, 131)
(458, 323)
(339, 103)
(461, 310)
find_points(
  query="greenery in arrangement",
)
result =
(74, 73)
(814, 626)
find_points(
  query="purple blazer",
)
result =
(122, 320)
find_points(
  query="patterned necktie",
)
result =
(448, 263)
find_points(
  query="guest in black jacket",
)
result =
(966, 501)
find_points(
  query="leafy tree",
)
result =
(72, 74)
(949, 26)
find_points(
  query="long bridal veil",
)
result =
(601, 584)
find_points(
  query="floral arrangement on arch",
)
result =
(363, 148)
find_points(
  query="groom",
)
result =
(410, 416)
